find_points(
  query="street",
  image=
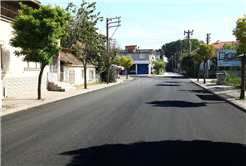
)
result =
(148, 121)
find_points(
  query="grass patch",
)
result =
(233, 80)
(214, 81)
(6, 106)
(238, 98)
(82, 85)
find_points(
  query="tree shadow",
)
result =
(168, 153)
(172, 82)
(5, 61)
(209, 97)
(175, 103)
(196, 91)
(177, 77)
(167, 85)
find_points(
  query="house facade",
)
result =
(142, 59)
(16, 76)
(72, 69)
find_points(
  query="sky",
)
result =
(151, 24)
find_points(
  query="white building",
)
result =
(142, 59)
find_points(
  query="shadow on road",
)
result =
(209, 97)
(175, 103)
(167, 85)
(196, 91)
(168, 153)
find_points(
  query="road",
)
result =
(147, 121)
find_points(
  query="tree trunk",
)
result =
(108, 75)
(40, 81)
(198, 72)
(204, 78)
(126, 73)
(85, 82)
(243, 60)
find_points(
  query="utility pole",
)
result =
(188, 38)
(107, 28)
(208, 38)
(206, 65)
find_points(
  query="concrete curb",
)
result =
(223, 98)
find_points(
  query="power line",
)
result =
(108, 9)
(102, 9)
(113, 9)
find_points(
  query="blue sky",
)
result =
(150, 24)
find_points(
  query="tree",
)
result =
(199, 59)
(37, 33)
(126, 62)
(206, 52)
(187, 64)
(232, 46)
(82, 32)
(240, 33)
(109, 57)
(159, 65)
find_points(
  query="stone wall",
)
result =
(22, 84)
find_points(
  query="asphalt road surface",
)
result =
(147, 121)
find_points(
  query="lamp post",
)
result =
(1, 88)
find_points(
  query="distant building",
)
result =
(142, 59)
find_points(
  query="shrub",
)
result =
(233, 80)
(112, 75)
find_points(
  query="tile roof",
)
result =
(69, 58)
(219, 44)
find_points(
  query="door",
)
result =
(143, 69)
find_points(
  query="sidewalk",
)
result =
(227, 93)
(15, 103)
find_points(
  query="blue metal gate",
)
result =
(143, 69)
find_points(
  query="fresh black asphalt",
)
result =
(147, 121)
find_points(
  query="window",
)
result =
(53, 65)
(141, 56)
(9, 10)
(91, 75)
(32, 65)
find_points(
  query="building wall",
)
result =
(79, 74)
(16, 76)
(140, 59)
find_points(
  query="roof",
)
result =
(69, 58)
(219, 44)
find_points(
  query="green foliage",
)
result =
(175, 47)
(233, 80)
(82, 29)
(159, 65)
(109, 57)
(214, 63)
(232, 46)
(126, 61)
(239, 33)
(36, 32)
(206, 51)
(187, 64)
(112, 74)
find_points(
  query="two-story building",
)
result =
(142, 59)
